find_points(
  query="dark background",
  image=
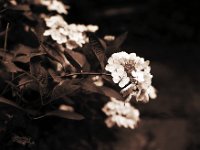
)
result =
(166, 32)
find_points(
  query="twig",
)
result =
(6, 37)
(29, 81)
(86, 73)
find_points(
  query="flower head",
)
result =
(132, 73)
(54, 5)
(72, 35)
(120, 113)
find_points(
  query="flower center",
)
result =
(129, 68)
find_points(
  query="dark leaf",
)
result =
(25, 50)
(78, 60)
(91, 58)
(98, 49)
(10, 67)
(119, 40)
(41, 75)
(13, 104)
(26, 58)
(55, 54)
(103, 43)
(90, 87)
(63, 114)
(5, 55)
(65, 87)
(20, 8)
(9, 102)
(114, 46)
(111, 93)
(54, 76)
(40, 28)
(27, 82)
(22, 58)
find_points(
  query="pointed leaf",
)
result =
(119, 40)
(63, 114)
(65, 87)
(11, 67)
(114, 46)
(9, 102)
(90, 87)
(78, 60)
(54, 76)
(98, 49)
(111, 93)
(54, 54)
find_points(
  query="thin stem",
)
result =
(86, 73)
(29, 81)
(6, 37)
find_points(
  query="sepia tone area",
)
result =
(167, 33)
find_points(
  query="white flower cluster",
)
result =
(54, 5)
(120, 113)
(132, 73)
(72, 35)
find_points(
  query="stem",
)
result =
(6, 37)
(86, 73)
(29, 81)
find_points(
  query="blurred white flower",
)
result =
(55, 35)
(54, 5)
(120, 113)
(97, 80)
(109, 38)
(132, 73)
(64, 107)
(92, 28)
(72, 35)
(13, 2)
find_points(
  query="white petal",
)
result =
(124, 82)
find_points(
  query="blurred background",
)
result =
(167, 33)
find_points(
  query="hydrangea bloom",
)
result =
(71, 34)
(132, 73)
(120, 113)
(54, 5)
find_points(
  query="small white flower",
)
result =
(55, 35)
(132, 73)
(109, 38)
(120, 113)
(55, 22)
(64, 107)
(97, 80)
(92, 28)
(71, 34)
(54, 5)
